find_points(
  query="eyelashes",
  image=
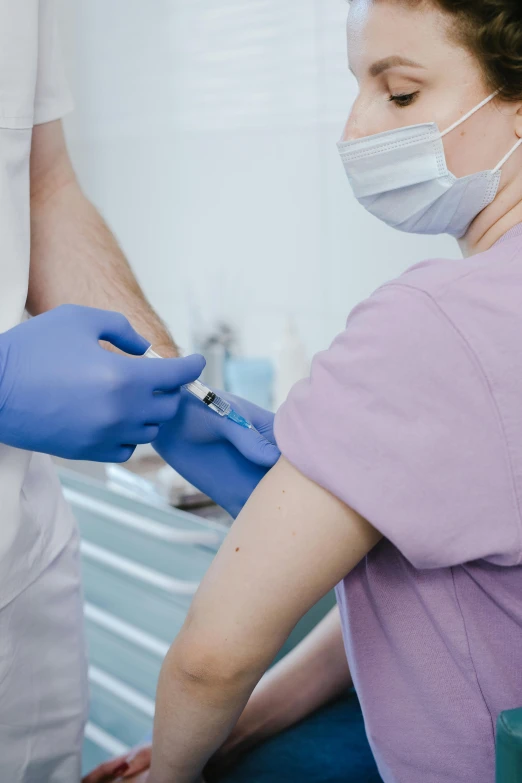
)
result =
(404, 99)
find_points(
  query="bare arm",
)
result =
(290, 545)
(312, 674)
(74, 257)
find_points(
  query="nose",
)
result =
(354, 127)
(351, 131)
(346, 131)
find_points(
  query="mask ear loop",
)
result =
(507, 157)
(470, 113)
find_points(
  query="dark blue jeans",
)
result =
(329, 746)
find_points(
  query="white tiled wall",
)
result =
(205, 132)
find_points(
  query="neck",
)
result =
(492, 223)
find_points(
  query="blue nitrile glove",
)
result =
(222, 459)
(63, 394)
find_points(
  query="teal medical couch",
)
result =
(509, 747)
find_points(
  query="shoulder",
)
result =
(473, 301)
(398, 420)
(439, 278)
(398, 417)
(402, 320)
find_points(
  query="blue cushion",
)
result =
(329, 746)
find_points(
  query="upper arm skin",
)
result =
(51, 166)
(290, 545)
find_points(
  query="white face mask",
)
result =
(401, 177)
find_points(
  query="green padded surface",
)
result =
(509, 747)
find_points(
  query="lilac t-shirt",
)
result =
(413, 417)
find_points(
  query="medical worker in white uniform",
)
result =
(60, 393)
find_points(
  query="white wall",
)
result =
(205, 132)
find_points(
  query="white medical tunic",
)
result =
(43, 673)
(35, 523)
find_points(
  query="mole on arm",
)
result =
(237, 549)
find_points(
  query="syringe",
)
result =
(208, 397)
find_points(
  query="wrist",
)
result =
(167, 350)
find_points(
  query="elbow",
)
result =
(58, 183)
(220, 667)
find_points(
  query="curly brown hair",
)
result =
(492, 31)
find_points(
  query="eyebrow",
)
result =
(391, 62)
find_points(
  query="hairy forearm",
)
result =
(75, 258)
(312, 674)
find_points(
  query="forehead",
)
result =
(384, 28)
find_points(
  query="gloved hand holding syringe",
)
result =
(208, 397)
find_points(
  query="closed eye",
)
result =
(404, 99)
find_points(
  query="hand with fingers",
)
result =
(132, 768)
(221, 458)
(127, 767)
(63, 394)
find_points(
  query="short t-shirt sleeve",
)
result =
(53, 99)
(397, 420)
